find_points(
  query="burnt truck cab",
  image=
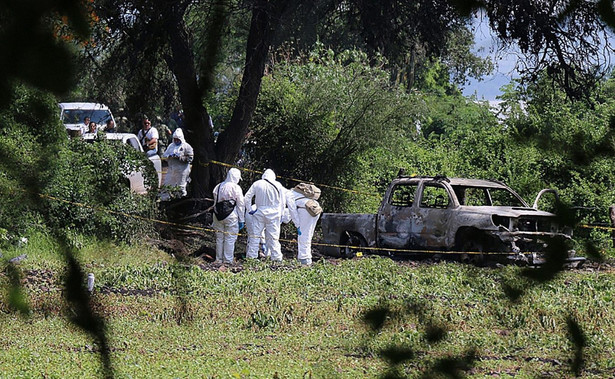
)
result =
(471, 219)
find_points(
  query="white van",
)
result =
(72, 116)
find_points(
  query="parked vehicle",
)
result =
(137, 183)
(72, 115)
(466, 219)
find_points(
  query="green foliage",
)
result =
(301, 129)
(30, 136)
(32, 53)
(569, 144)
(464, 136)
(89, 191)
(316, 117)
(124, 66)
(410, 35)
(333, 119)
(32, 119)
(569, 45)
(72, 185)
(220, 32)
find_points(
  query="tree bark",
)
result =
(197, 130)
(265, 17)
(205, 175)
(411, 68)
(612, 217)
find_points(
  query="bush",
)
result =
(317, 117)
(30, 135)
(45, 179)
(89, 192)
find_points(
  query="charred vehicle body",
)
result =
(465, 219)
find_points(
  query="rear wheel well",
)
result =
(351, 243)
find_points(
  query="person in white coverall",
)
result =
(305, 223)
(227, 229)
(252, 233)
(179, 155)
(270, 200)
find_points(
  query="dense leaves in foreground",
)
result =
(89, 192)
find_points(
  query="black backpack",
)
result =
(224, 208)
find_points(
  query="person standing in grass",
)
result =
(270, 199)
(262, 249)
(179, 155)
(228, 226)
(297, 201)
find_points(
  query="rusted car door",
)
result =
(394, 223)
(431, 222)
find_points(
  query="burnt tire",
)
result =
(472, 252)
(352, 246)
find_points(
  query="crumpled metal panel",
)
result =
(334, 225)
(412, 223)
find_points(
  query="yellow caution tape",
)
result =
(296, 180)
(358, 254)
(212, 230)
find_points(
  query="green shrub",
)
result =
(317, 117)
(45, 179)
(90, 193)
(30, 136)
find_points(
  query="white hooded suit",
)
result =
(303, 220)
(179, 158)
(227, 229)
(270, 200)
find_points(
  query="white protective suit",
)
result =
(227, 229)
(252, 233)
(269, 197)
(304, 221)
(179, 157)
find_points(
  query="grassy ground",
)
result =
(338, 319)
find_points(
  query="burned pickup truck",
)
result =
(464, 219)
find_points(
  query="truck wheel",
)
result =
(352, 246)
(472, 247)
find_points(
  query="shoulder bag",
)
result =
(224, 208)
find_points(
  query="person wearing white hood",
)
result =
(305, 223)
(179, 155)
(270, 200)
(229, 226)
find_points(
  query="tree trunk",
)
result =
(198, 132)
(265, 17)
(612, 216)
(411, 68)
